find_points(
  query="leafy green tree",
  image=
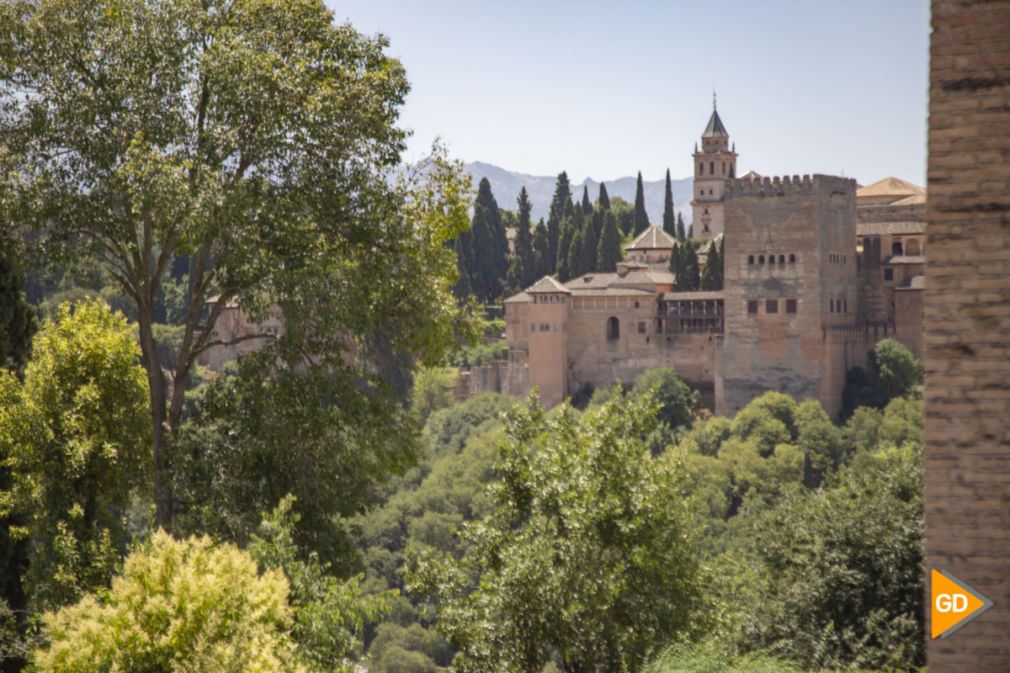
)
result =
(251, 137)
(604, 198)
(179, 605)
(845, 569)
(76, 435)
(669, 219)
(463, 248)
(677, 401)
(895, 368)
(587, 556)
(641, 217)
(432, 390)
(261, 432)
(820, 440)
(448, 430)
(329, 615)
(609, 251)
(625, 213)
(892, 371)
(17, 317)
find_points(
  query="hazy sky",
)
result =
(608, 89)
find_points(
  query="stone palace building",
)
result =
(816, 271)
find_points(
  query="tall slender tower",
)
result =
(714, 164)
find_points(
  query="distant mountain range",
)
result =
(505, 186)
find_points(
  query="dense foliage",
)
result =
(242, 147)
(586, 558)
(75, 436)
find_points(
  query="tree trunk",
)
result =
(160, 437)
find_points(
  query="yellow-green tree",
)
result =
(76, 435)
(179, 605)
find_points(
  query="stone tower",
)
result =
(714, 164)
(548, 339)
(790, 291)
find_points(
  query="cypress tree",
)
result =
(490, 265)
(587, 206)
(589, 243)
(641, 217)
(692, 274)
(575, 265)
(681, 229)
(677, 266)
(604, 199)
(711, 278)
(690, 231)
(524, 256)
(563, 262)
(541, 251)
(684, 266)
(722, 261)
(561, 200)
(596, 220)
(608, 252)
(669, 220)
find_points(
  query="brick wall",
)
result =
(967, 318)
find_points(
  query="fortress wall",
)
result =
(498, 376)
(967, 318)
(598, 361)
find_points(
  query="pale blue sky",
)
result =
(604, 90)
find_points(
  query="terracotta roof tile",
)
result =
(652, 238)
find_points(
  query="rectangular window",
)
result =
(888, 274)
(772, 306)
(752, 306)
(641, 328)
(790, 306)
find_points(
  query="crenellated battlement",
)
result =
(780, 185)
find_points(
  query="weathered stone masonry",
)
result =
(967, 319)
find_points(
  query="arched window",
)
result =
(761, 259)
(711, 168)
(613, 329)
(792, 259)
(771, 259)
(750, 259)
(701, 168)
(896, 249)
(782, 259)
